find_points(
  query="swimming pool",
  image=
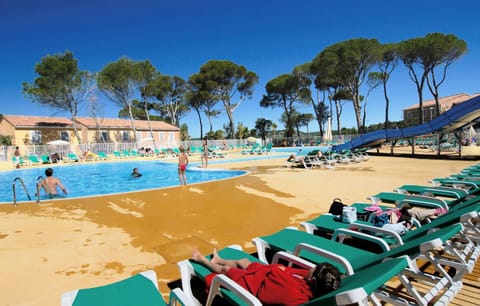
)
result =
(90, 179)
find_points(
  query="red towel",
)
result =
(272, 284)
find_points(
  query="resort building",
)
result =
(36, 130)
(411, 113)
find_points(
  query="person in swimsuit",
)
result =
(204, 156)
(182, 165)
(16, 158)
(50, 184)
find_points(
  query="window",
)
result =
(125, 136)
(64, 136)
(35, 137)
(104, 136)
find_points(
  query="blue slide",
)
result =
(457, 117)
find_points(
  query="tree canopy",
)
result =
(285, 91)
(60, 84)
(349, 63)
(226, 80)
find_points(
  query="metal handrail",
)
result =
(15, 191)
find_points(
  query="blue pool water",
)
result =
(89, 179)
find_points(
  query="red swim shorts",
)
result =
(183, 167)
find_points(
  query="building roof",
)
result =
(446, 102)
(38, 121)
(125, 123)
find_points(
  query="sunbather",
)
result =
(422, 214)
(274, 284)
(294, 160)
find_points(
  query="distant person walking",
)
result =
(16, 157)
(182, 165)
(204, 156)
(50, 184)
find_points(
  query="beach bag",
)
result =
(336, 208)
(381, 220)
(349, 214)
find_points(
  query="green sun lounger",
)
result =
(318, 249)
(463, 213)
(398, 199)
(140, 289)
(33, 159)
(369, 282)
(436, 191)
(45, 159)
(354, 289)
(189, 269)
(462, 184)
(350, 259)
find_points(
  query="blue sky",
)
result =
(267, 37)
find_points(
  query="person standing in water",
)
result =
(204, 156)
(50, 183)
(182, 165)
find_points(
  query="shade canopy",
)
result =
(327, 136)
(58, 142)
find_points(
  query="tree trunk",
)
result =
(387, 104)
(358, 115)
(200, 121)
(150, 126)
(132, 122)
(337, 116)
(75, 129)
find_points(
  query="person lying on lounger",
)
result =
(293, 159)
(274, 283)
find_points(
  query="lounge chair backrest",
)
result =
(135, 290)
(370, 279)
(412, 247)
(452, 217)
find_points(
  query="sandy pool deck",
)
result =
(58, 246)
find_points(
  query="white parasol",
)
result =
(58, 142)
(327, 136)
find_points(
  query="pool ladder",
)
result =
(15, 190)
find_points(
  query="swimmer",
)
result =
(50, 183)
(135, 173)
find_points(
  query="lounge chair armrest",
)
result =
(376, 229)
(186, 274)
(261, 246)
(343, 231)
(342, 261)
(68, 298)
(292, 260)
(309, 227)
(352, 296)
(178, 297)
(225, 282)
(431, 245)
